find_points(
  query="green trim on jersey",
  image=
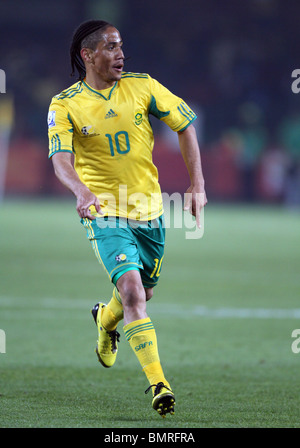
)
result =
(185, 111)
(134, 75)
(56, 146)
(98, 93)
(70, 92)
(153, 109)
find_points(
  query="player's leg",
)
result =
(113, 312)
(150, 242)
(140, 333)
(114, 249)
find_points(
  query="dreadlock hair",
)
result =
(87, 35)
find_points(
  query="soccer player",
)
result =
(102, 121)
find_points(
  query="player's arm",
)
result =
(65, 172)
(196, 197)
(179, 117)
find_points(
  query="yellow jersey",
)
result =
(110, 134)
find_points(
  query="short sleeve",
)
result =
(60, 129)
(169, 108)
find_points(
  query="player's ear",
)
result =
(86, 55)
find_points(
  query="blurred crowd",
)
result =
(231, 61)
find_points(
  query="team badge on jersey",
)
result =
(138, 118)
(51, 118)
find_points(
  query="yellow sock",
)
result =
(113, 312)
(142, 339)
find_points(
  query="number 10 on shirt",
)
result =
(119, 141)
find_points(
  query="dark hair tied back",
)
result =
(84, 30)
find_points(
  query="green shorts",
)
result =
(121, 245)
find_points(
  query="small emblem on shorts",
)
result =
(121, 257)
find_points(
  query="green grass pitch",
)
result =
(224, 312)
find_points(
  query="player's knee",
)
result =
(132, 292)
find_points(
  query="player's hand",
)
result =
(194, 201)
(85, 199)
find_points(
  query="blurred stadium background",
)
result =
(231, 61)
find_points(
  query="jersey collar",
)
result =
(104, 94)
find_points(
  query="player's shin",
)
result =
(113, 312)
(141, 336)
